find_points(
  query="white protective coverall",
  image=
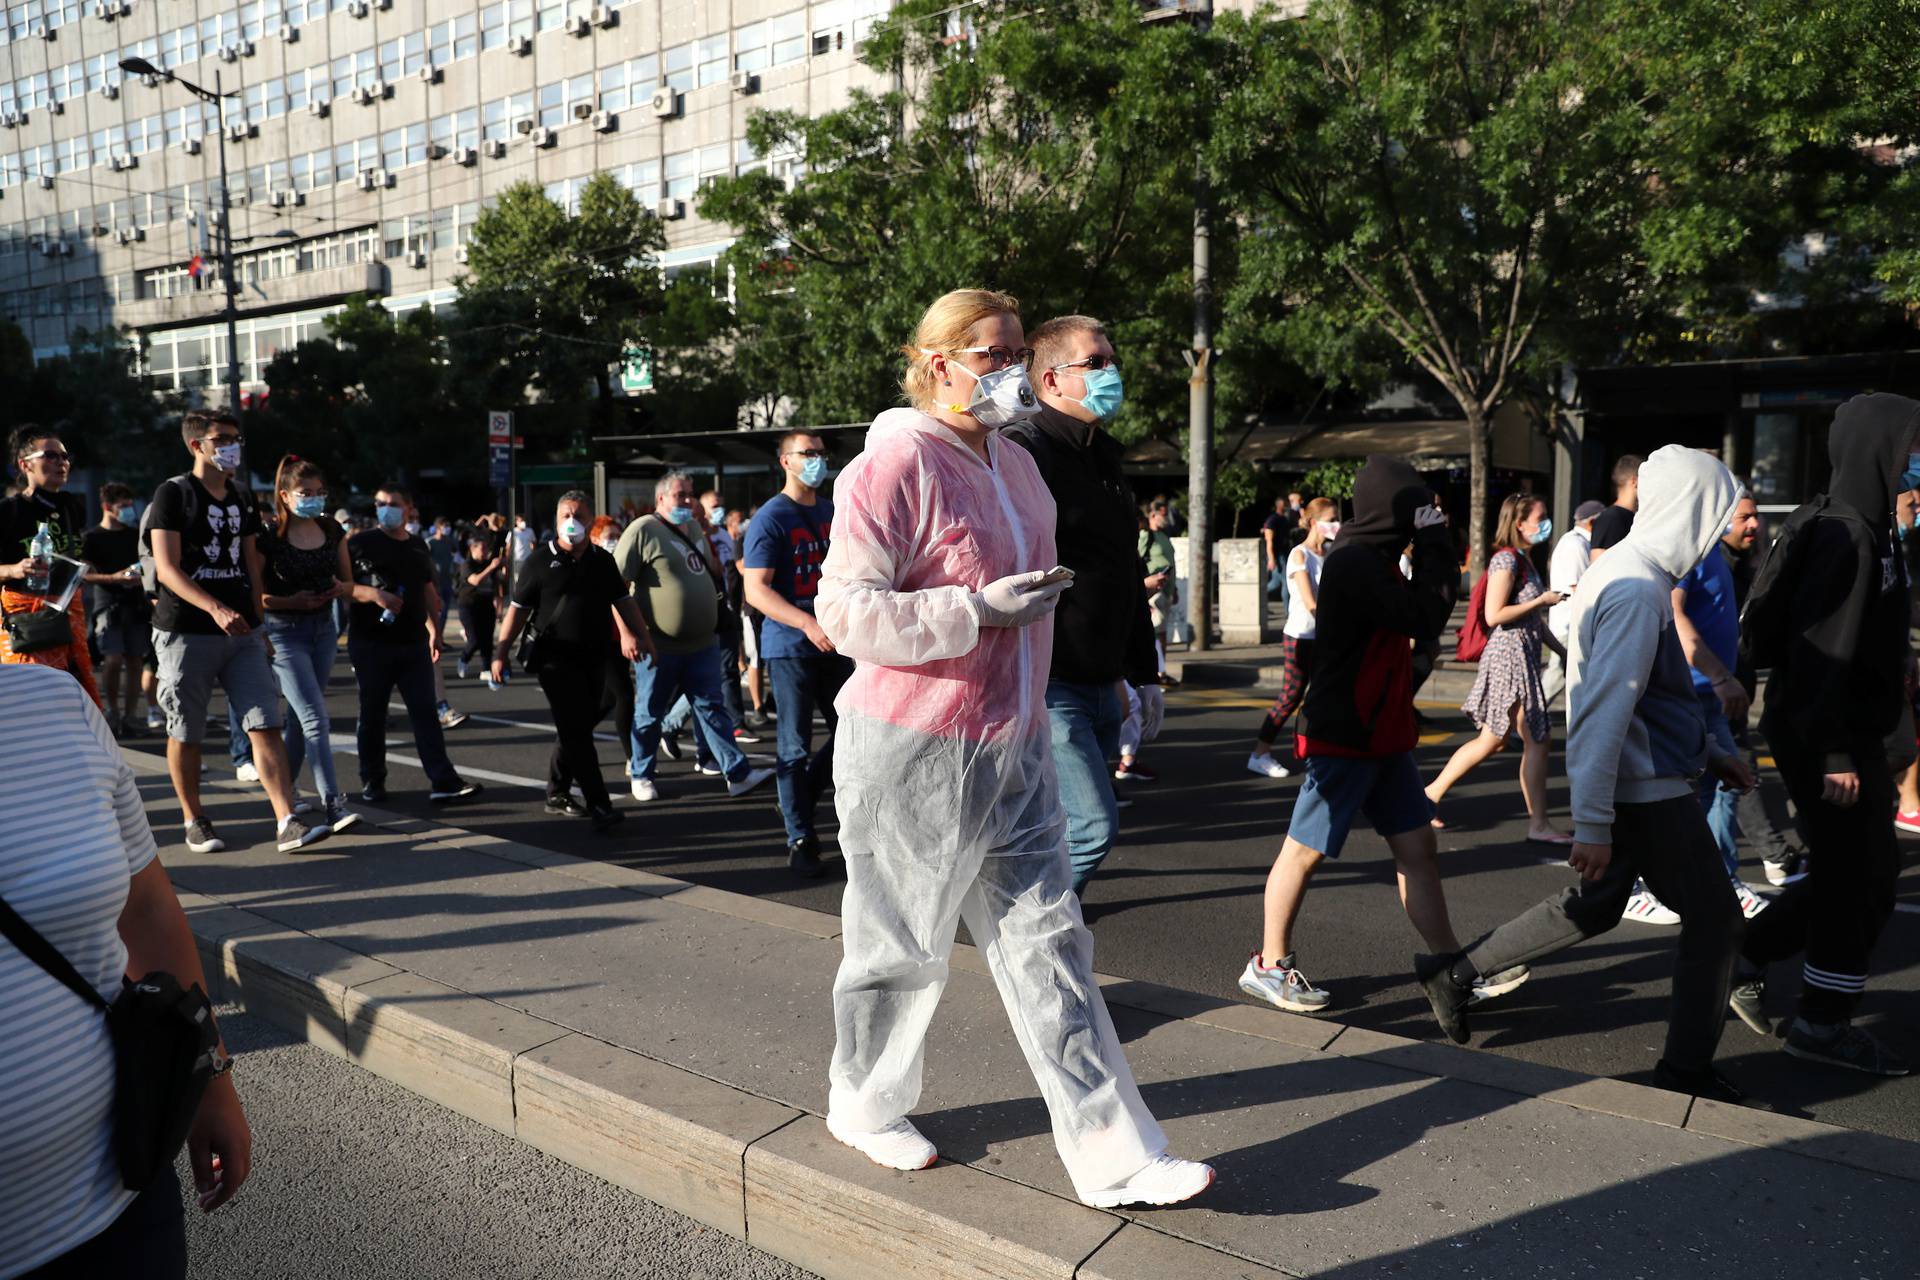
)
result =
(944, 783)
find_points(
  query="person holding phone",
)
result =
(1508, 694)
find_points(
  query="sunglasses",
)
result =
(1000, 357)
(58, 457)
(1092, 364)
(806, 453)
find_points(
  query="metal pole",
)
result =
(226, 257)
(1200, 405)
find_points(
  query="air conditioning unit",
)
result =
(416, 259)
(57, 107)
(103, 11)
(460, 254)
(229, 53)
(241, 195)
(524, 126)
(130, 235)
(48, 35)
(109, 91)
(464, 156)
(542, 137)
(150, 80)
(278, 199)
(356, 8)
(123, 8)
(383, 4)
(602, 15)
(382, 178)
(381, 89)
(494, 147)
(604, 121)
(364, 180)
(98, 231)
(666, 102)
(582, 110)
(120, 164)
(290, 35)
(429, 74)
(520, 46)
(363, 95)
(11, 119)
(239, 132)
(190, 146)
(50, 249)
(436, 152)
(318, 108)
(669, 209)
(578, 26)
(744, 82)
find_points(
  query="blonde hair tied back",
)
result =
(947, 326)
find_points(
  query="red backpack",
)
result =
(1473, 632)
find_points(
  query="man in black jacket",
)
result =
(1102, 636)
(1839, 722)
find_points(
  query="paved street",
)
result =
(408, 1190)
(1178, 903)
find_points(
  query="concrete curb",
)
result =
(768, 1172)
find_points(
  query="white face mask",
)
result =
(227, 457)
(1000, 398)
(572, 530)
(1329, 529)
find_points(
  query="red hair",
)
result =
(600, 525)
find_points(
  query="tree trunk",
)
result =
(1479, 463)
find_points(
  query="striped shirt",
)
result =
(75, 834)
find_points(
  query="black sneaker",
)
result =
(459, 791)
(1448, 998)
(604, 817)
(757, 720)
(201, 837)
(565, 807)
(1842, 1044)
(803, 858)
(670, 745)
(1701, 1084)
(374, 793)
(1787, 870)
(1748, 1000)
(296, 833)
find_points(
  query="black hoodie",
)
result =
(1841, 689)
(1359, 699)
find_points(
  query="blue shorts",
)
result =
(1388, 790)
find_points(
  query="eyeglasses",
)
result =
(1000, 357)
(56, 457)
(1093, 364)
(220, 442)
(806, 453)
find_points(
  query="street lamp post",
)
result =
(141, 67)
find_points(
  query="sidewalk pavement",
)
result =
(674, 1040)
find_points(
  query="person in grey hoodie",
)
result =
(1636, 747)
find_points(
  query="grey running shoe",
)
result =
(1282, 985)
(296, 833)
(1842, 1044)
(201, 837)
(1488, 986)
(1748, 1000)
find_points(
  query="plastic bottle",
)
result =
(40, 554)
(387, 616)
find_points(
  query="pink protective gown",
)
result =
(944, 784)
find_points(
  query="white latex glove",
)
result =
(1018, 600)
(1428, 516)
(1153, 710)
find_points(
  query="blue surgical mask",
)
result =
(1541, 534)
(310, 507)
(572, 530)
(813, 471)
(680, 515)
(1910, 478)
(717, 517)
(1105, 394)
(124, 513)
(391, 517)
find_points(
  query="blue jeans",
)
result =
(1720, 804)
(1086, 735)
(656, 682)
(304, 645)
(676, 720)
(382, 668)
(801, 685)
(239, 746)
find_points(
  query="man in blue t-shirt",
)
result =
(780, 569)
(1706, 617)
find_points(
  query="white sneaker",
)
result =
(753, 779)
(493, 686)
(643, 789)
(1266, 766)
(898, 1146)
(1487, 986)
(1751, 903)
(1165, 1181)
(1282, 985)
(1647, 909)
(462, 670)
(709, 770)
(247, 773)
(155, 721)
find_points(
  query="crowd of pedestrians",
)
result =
(966, 643)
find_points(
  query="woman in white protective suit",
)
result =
(937, 585)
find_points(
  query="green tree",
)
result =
(1493, 187)
(1039, 148)
(95, 391)
(551, 301)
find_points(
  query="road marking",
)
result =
(485, 775)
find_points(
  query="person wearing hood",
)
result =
(1839, 721)
(1356, 727)
(940, 584)
(1636, 745)
(1102, 631)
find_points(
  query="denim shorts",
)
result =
(1388, 790)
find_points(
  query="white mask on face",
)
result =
(1000, 398)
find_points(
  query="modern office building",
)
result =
(363, 139)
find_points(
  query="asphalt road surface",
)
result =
(1178, 902)
(355, 1178)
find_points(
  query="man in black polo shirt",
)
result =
(577, 600)
(1613, 524)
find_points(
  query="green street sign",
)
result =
(636, 371)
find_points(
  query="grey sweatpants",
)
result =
(1667, 844)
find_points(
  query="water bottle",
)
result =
(387, 616)
(40, 558)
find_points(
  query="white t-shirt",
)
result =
(1570, 558)
(1299, 619)
(76, 834)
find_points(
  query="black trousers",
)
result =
(477, 621)
(148, 1241)
(1666, 843)
(1836, 914)
(573, 688)
(616, 699)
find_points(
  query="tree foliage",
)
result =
(95, 393)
